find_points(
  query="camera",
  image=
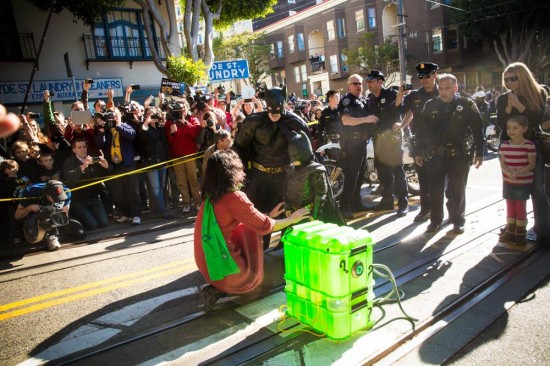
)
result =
(89, 81)
(174, 111)
(408, 87)
(34, 115)
(156, 116)
(210, 122)
(95, 160)
(136, 86)
(108, 117)
(221, 89)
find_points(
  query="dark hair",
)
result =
(331, 93)
(522, 120)
(78, 139)
(221, 134)
(224, 174)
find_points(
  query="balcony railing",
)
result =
(318, 66)
(17, 47)
(119, 49)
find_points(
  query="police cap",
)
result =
(375, 75)
(426, 68)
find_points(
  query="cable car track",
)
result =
(270, 342)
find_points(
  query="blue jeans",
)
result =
(541, 207)
(91, 213)
(155, 185)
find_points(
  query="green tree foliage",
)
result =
(519, 30)
(186, 70)
(219, 13)
(367, 55)
(87, 11)
(250, 46)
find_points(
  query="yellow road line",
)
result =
(90, 285)
(83, 295)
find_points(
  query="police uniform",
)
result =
(414, 102)
(353, 143)
(388, 151)
(442, 140)
(330, 129)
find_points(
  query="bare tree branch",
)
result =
(149, 33)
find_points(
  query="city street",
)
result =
(116, 287)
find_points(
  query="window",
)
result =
(291, 44)
(330, 30)
(280, 51)
(272, 51)
(292, 1)
(180, 27)
(344, 62)
(341, 28)
(333, 64)
(303, 71)
(297, 74)
(300, 41)
(360, 20)
(437, 42)
(451, 38)
(120, 35)
(372, 18)
(178, 11)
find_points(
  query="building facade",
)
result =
(308, 48)
(116, 54)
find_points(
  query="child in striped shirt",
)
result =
(517, 160)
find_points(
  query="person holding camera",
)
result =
(152, 138)
(182, 130)
(116, 140)
(414, 102)
(81, 169)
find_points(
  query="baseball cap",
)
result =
(55, 190)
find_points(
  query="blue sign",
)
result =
(171, 87)
(228, 70)
(13, 92)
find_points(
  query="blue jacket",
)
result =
(127, 134)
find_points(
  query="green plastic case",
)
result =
(329, 282)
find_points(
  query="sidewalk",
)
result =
(113, 230)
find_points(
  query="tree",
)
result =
(367, 55)
(87, 11)
(253, 47)
(213, 12)
(518, 30)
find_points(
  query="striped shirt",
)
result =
(516, 157)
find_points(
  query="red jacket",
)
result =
(184, 140)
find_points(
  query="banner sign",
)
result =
(228, 70)
(13, 92)
(170, 87)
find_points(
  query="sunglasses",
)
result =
(511, 78)
(424, 76)
(356, 84)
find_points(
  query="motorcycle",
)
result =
(492, 135)
(334, 166)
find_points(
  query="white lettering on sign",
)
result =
(229, 70)
(13, 92)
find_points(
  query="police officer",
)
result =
(330, 125)
(413, 103)
(355, 132)
(388, 151)
(447, 123)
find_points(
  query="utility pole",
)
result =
(401, 43)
